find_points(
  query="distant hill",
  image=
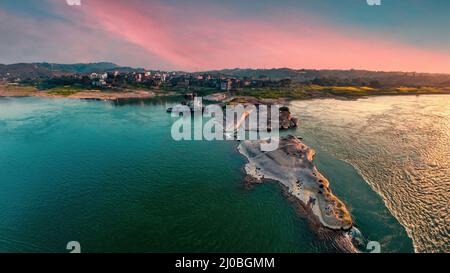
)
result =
(305, 75)
(24, 70)
(39, 70)
(80, 67)
(275, 73)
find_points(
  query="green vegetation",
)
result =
(19, 88)
(301, 91)
(293, 92)
(201, 91)
(65, 90)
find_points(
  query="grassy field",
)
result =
(17, 90)
(316, 91)
(66, 90)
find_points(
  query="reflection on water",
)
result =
(401, 145)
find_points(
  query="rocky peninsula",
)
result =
(292, 165)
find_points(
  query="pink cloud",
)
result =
(49, 39)
(181, 37)
(197, 40)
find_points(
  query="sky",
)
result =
(198, 35)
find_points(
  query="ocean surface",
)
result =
(111, 177)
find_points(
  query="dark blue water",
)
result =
(112, 178)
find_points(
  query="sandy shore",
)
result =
(108, 95)
(292, 166)
(88, 94)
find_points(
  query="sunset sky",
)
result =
(193, 35)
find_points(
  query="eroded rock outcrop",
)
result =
(292, 165)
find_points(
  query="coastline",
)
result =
(346, 97)
(83, 95)
(28, 91)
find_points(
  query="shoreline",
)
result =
(26, 91)
(284, 100)
(82, 95)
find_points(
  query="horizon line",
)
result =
(234, 68)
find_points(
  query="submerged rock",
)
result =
(287, 121)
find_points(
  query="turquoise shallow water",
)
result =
(112, 178)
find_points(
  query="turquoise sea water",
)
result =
(111, 177)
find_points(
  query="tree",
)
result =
(375, 84)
